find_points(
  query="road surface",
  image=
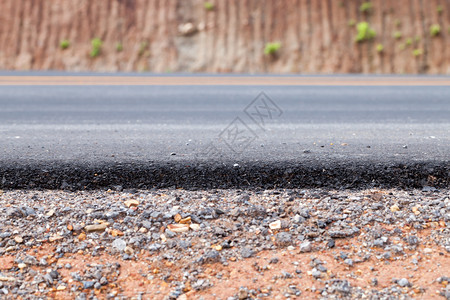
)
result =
(90, 131)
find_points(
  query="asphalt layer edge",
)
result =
(207, 175)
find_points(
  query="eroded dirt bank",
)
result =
(316, 36)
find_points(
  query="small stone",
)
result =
(178, 227)
(43, 262)
(128, 250)
(306, 247)
(50, 213)
(82, 236)
(21, 265)
(18, 239)
(348, 262)
(185, 220)
(316, 273)
(55, 237)
(177, 218)
(6, 278)
(374, 281)
(119, 244)
(61, 288)
(88, 284)
(95, 227)
(211, 256)
(273, 260)
(331, 243)
(394, 208)
(427, 250)
(243, 293)
(194, 227)
(247, 252)
(131, 203)
(283, 239)
(404, 282)
(275, 225)
(116, 232)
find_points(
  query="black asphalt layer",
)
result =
(86, 137)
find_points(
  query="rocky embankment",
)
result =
(252, 36)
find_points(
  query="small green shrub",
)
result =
(119, 47)
(439, 9)
(143, 48)
(96, 44)
(365, 33)
(64, 44)
(366, 7)
(351, 23)
(272, 48)
(397, 35)
(209, 6)
(409, 41)
(435, 30)
(380, 48)
(417, 52)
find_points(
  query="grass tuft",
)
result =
(96, 44)
(365, 33)
(64, 44)
(208, 6)
(366, 7)
(417, 52)
(435, 30)
(380, 48)
(272, 48)
(119, 47)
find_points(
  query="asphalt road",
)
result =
(96, 131)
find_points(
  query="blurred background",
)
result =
(243, 36)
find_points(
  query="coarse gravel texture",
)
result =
(225, 244)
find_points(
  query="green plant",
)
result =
(64, 44)
(365, 33)
(208, 6)
(417, 52)
(272, 48)
(351, 23)
(143, 48)
(119, 47)
(366, 7)
(435, 29)
(397, 35)
(439, 9)
(380, 48)
(96, 44)
(409, 41)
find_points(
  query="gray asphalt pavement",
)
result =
(223, 136)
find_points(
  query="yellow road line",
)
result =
(222, 80)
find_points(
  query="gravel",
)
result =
(194, 229)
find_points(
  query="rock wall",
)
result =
(316, 36)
